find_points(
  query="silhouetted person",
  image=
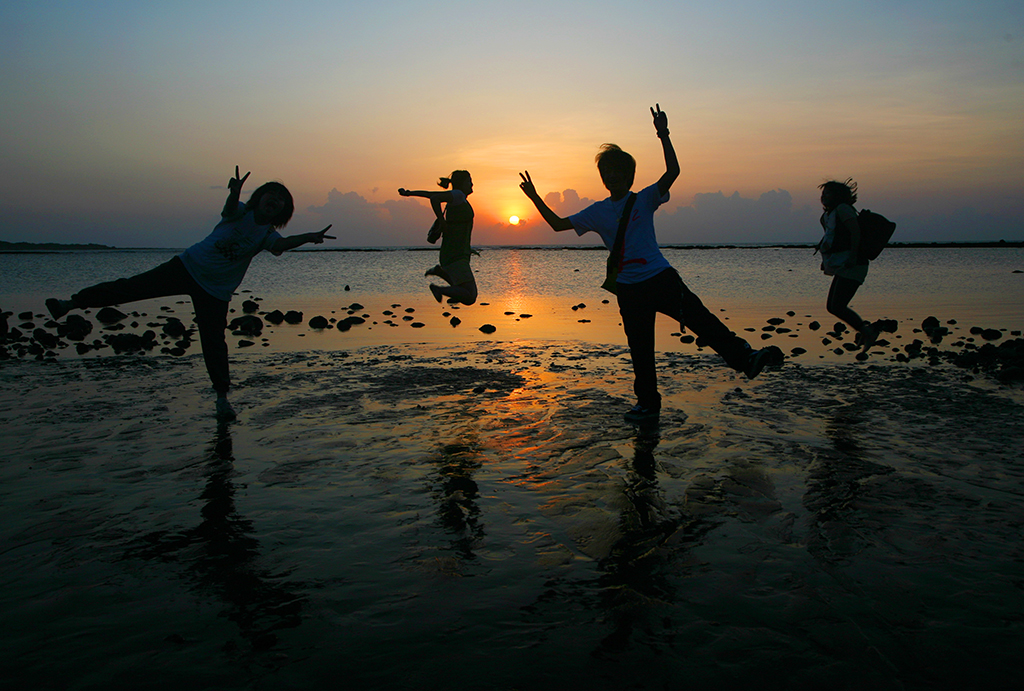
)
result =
(646, 282)
(454, 225)
(209, 272)
(840, 256)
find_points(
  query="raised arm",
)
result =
(282, 245)
(554, 220)
(671, 162)
(234, 194)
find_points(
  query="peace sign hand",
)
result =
(235, 183)
(527, 185)
(660, 120)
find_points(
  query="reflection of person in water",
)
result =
(223, 555)
(454, 225)
(457, 494)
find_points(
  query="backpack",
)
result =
(875, 232)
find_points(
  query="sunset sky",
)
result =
(122, 121)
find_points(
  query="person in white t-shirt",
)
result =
(454, 225)
(209, 272)
(646, 283)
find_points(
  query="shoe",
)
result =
(436, 292)
(224, 410)
(759, 359)
(868, 336)
(639, 413)
(58, 308)
(435, 270)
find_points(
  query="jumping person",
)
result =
(454, 224)
(646, 283)
(209, 272)
(840, 252)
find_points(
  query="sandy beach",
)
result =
(477, 516)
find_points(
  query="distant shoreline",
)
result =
(55, 248)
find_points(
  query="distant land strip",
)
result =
(48, 247)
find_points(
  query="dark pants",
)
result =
(171, 278)
(666, 293)
(840, 293)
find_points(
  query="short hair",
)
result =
(611, 157)
(456, 180)
(280, 220)
(846, 192)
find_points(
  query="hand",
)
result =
(318, 238)
(660, 120)
(402, 192)
(527, 185)
(235, 183)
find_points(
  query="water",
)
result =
(744, 286)
(473, 514)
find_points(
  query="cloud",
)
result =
(361, 223)
(716, 218)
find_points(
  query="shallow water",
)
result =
(481, 518)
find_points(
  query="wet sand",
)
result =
(478, 516)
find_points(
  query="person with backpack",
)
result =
(842, 256)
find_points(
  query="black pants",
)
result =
(639, 303)
(171, 278)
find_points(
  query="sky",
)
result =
(123, 121)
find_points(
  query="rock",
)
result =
(131, 343)
(246, 325)
(250, 307)
(174, 328)
(930, 323)
(775, 321)
(798, 351)
(991, 334)
(814, 326)
(275, 317)
(109, 315)
(25, 316)
(686, 339)
(44, 338)
(75, 328)
(245, 344)
(293, 317)
(454, 321)
(417, 325)
(319, 322)
(488, 328)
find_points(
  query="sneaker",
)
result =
(224, 410)
(868, 336)
(639, 413)
(436, 292)
(435, 270)
(58, 308)
(759, 359)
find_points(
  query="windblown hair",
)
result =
(285, 215)
(611, 157)
(845, 192)
(456, 180)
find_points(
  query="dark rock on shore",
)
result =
(246, 325)
(109, 315)
(293, 317)
(275, 317)
(319, 322)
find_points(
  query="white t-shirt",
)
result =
(642, 258)
(218, 263)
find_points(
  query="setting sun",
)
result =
(513, 220)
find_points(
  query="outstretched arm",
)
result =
(282, 245)
(554, 220)
(435, 199)
(671, 162)
(234, 194)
